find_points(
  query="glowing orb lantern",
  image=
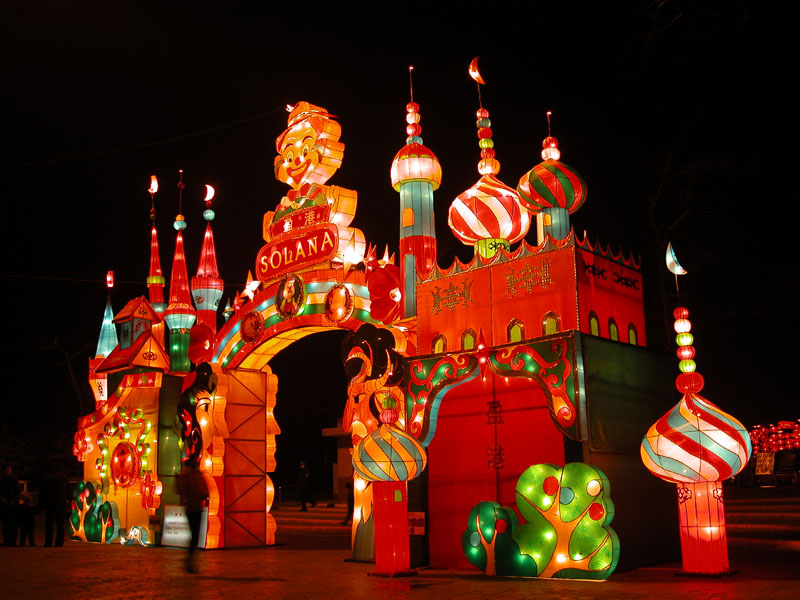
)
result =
(552, 190)
(697, 446)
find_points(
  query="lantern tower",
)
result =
(552, 191)
(179, 315)
(207, 287)
(416, 174)
(697, 446)
(489, 215)
(155, 279)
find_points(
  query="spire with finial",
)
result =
(155, 279)
(488, 215)
(552, 191)
(416, 174)
(697, 446)
(179, 315)
(207, 287)
(107, 340)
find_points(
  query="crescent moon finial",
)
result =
(672, 262)
(473, 71)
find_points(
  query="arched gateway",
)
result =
(329, 300)
(483, 368)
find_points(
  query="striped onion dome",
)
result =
(489, 209)
(696, 441)
(552, 184)
(389, 454)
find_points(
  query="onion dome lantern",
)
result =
(415, 161)
(489, 215)
(389, 454)
(552, 190)
(697, 445)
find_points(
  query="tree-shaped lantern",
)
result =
(697, 446)
(489, 215)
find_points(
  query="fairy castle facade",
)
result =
(460, 378)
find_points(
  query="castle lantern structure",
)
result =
(416, 174)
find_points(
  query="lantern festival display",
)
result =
(697, 446)
(458, 377)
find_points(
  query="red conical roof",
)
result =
(208, 256)
(179, 280)
(155, 279)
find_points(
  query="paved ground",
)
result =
(314, 565)
(92, 571)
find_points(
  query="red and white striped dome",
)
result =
(489, 209)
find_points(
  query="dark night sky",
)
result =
(687, 100)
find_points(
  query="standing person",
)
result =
(194, 492)
(54, 500)
(27, 519)
(303, 481)
(9, 505)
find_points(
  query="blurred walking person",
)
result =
(193, 490)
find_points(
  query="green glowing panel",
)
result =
(567, 534)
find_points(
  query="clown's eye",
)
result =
(305, 151)
(289, 156)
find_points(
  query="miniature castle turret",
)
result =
(416, 174)
(179, 315)
(207, 287)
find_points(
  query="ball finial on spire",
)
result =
(180, 220)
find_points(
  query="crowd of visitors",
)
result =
(18, 510)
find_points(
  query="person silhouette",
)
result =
(27, 520)
(303, 481)
(54, 500)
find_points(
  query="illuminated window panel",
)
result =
(515, 330)
(468, 339)
(613, 330)
(551, 324)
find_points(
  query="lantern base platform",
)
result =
(410, 573)
(727, 573)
